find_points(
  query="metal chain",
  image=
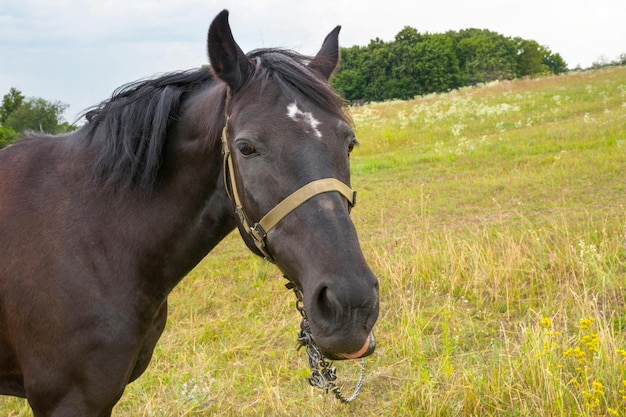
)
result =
(323, 374)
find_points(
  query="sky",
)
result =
(79, 51)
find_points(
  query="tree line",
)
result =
(416, 64)
(412, 64)
(19, 114)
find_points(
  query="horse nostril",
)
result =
(328, 307)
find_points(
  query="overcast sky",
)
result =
(79, 51)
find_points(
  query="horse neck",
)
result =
(188, 212)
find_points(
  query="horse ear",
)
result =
(228, 61)
(327, 58)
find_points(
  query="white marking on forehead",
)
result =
(306, 118)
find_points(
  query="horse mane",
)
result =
(131, 127)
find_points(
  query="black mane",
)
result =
(132, 126)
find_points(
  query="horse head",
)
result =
(287, 141)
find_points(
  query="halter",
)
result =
(258, 231)
(323, 375)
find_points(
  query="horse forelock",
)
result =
(290, 71)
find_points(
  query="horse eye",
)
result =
(352, 144)
(246, 149)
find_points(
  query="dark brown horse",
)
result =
(98, 226)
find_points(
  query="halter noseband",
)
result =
(258, 231)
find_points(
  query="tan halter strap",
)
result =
(303, 194)
(259, 230)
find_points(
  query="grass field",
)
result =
(495, 219)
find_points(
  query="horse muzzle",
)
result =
(367, 349)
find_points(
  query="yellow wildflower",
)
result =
(592, 341)
(585, 324)
(598, 388)
(593, 403)
(546, 323)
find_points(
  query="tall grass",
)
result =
(495, 218)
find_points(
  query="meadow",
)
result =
(495, 219)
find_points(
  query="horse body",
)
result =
(93, 264)
(98, 226)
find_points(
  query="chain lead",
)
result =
(323, 374)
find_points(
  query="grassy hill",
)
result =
(495, 219)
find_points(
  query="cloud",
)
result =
(79, 51)
(94, 22)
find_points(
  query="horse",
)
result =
(97, 226)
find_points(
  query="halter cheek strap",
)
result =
(258, 231)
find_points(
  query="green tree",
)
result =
(7, 135)
(423, 64)
(411, 65)
(554, 62)
(408, 36)
(19, 114)
(403, 78)
(530, 58)
(350, 80)
(415, 64)
(10, 103)
(39, 115)
(437, 66)
(486, 56)
(378, 65)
